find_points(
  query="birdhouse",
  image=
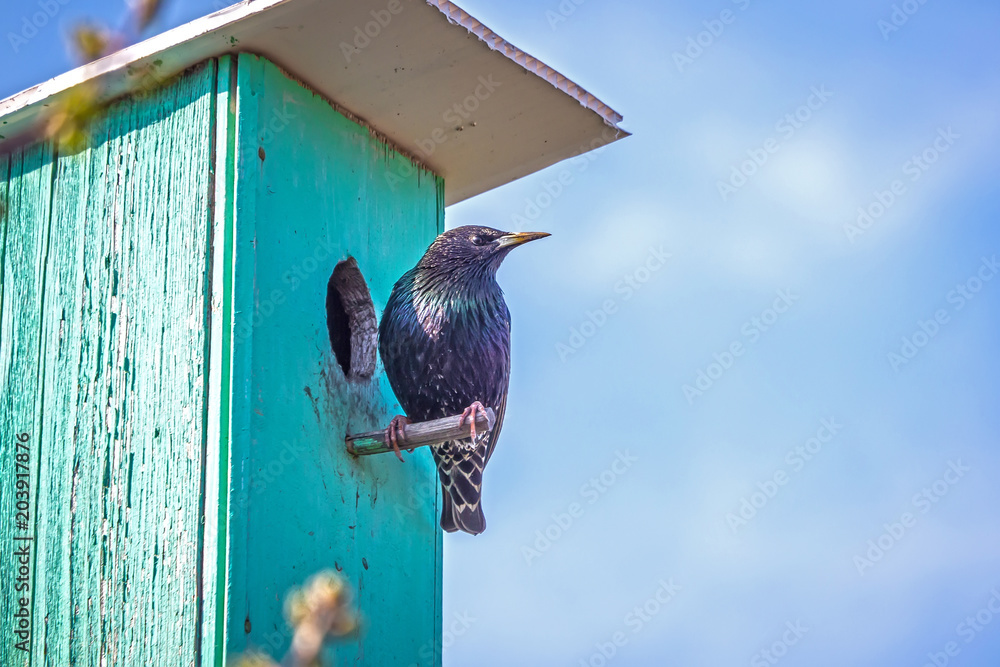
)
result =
(189, 312)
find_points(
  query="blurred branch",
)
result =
(318, 611)
(91, 41)
(70, 119)
(145, 11)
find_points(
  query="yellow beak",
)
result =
(520, 238)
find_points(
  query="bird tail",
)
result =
(461, 473)
(455, 516)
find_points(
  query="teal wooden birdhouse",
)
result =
(188, 317)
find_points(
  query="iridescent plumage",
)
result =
(444, 339)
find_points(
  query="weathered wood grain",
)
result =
(312, 190)
(217, 460)
(61, 378)
(111, 319)
(163, 341)
(26, 245)
(420, 434)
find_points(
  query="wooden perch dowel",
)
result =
(418, 435)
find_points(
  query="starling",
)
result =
(445, 343)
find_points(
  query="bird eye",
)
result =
(477, 239)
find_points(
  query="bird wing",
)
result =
(501, 404)
(495, 433)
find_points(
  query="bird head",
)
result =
(473, 249)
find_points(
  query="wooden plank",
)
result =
(26, 246)
(61, 351)
(420, 434)
(83, 642)
(5, 160)
(102, 353)
(311, 192)
(244, 143)
(215, 569)
(136, 528)
(436, 647)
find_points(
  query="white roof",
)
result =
(399, 66)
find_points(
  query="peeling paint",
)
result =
(112, 365)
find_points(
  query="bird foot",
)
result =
(396, 431)
(473, 412)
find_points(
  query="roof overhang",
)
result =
(433, 80)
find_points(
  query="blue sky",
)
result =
(870, 348)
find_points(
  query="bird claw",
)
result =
(474, 411)
(396, 431)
